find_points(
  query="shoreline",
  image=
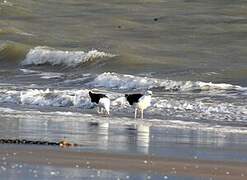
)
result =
(124, 162)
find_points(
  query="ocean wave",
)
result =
(161, 107)
(43, 75)
(12, 51)
(6, 3)
(45, 55)
(129, 82)
(218, 111)
(199, 110)
(57, 98)
(12, 30)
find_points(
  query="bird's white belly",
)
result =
(144, 103)
(105, 103)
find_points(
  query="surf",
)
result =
(112, 80)
(45, 55)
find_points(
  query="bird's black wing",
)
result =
(133, 98)
(96, 97)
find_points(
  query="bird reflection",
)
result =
(141, 135)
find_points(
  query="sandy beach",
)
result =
(65, 158)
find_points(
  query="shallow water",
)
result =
(124, 136)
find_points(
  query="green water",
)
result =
(178, 39)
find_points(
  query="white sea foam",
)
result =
(65, 98)
(57, 98)
(128, 82)
(9, 96)
(50, 75)
(214, 111)
(43, 75)
(45, 55)
(29, 71)
(162, 107)
(5, 3)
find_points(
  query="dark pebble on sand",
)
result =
(24, 141)
(93, 123)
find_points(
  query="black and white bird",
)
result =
(139, 101)
(102, 101)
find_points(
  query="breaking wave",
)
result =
(57, 98)
(5, 3)
(45, 55)
(12, 52)
(162, 107)
(13, 31)
(129, 82)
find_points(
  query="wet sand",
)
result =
(65, 158)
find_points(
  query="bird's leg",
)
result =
(101, 110)
(135, 112)
(108, 113)
(98, 110)
(141, 113)
(105, 112)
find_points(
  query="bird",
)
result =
(102, 101)
(139, 101)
